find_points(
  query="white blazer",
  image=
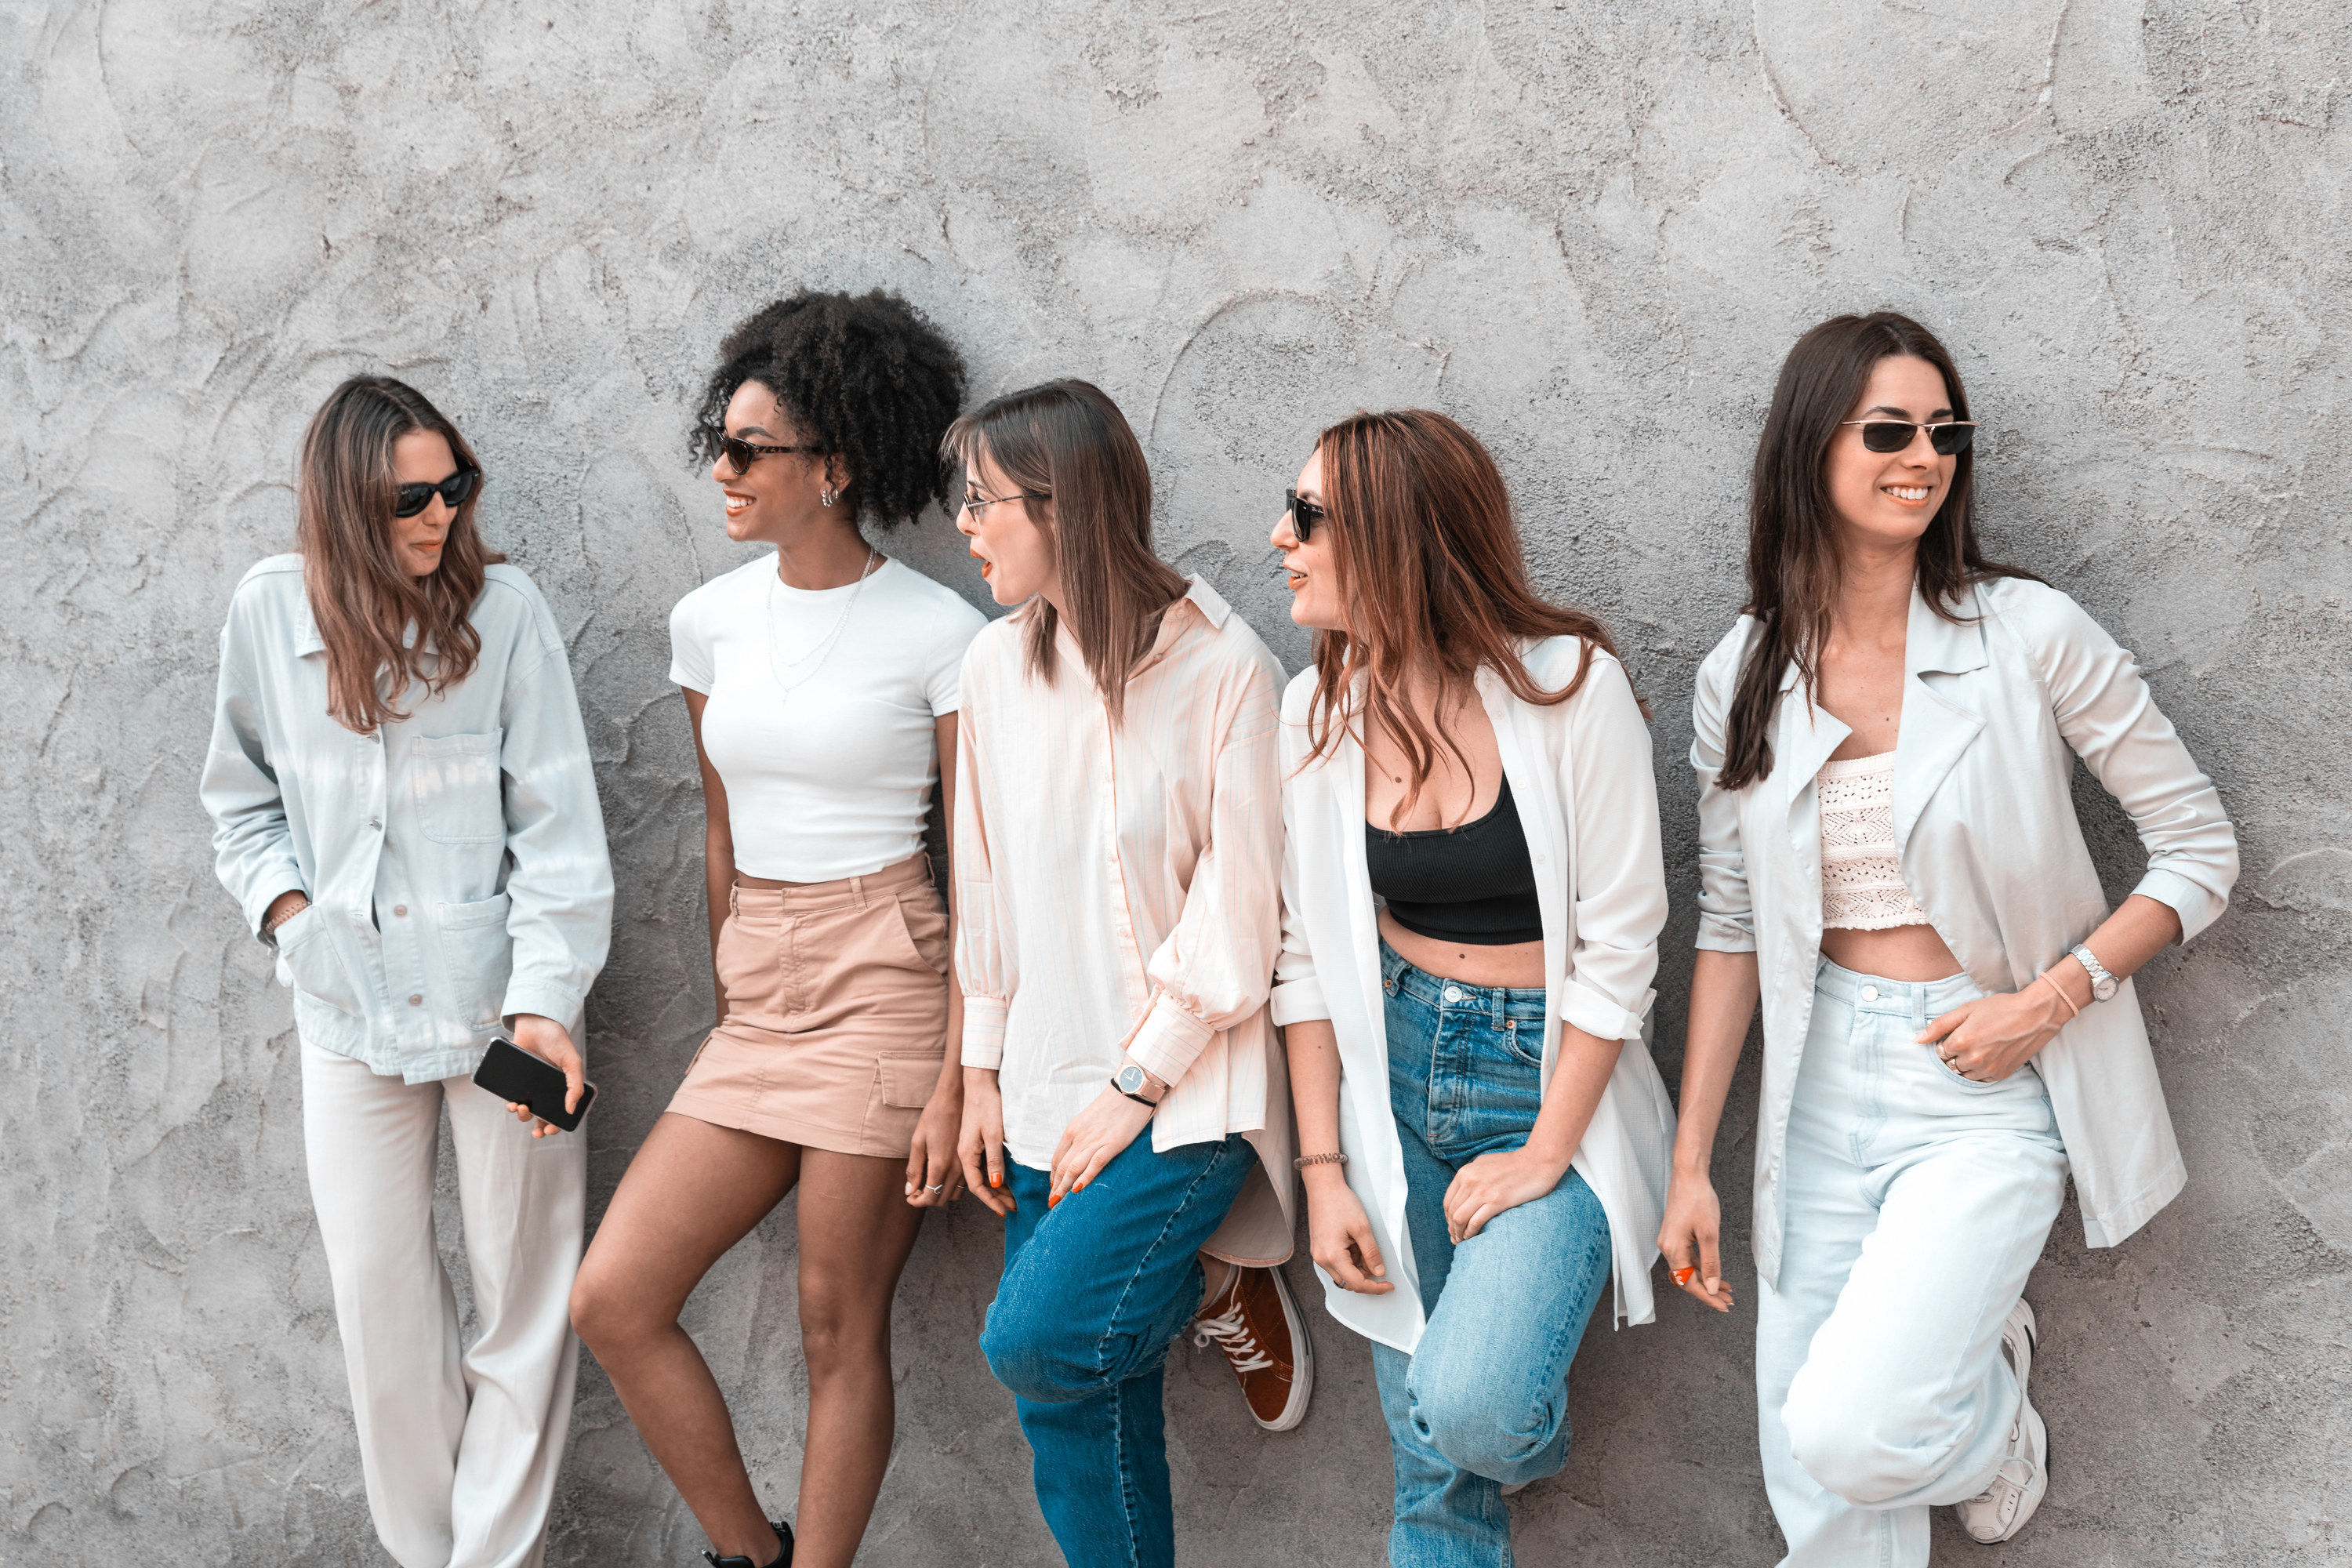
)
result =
(1588, 801)
(1994, 714)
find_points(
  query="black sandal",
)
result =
(784, 1558)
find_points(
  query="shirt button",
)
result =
(416, 1001)
(400, 910)
(1870, 993)
(373, 826)
(1452, 993)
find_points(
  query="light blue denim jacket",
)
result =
(455, 861)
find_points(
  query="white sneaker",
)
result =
(2002, 1509)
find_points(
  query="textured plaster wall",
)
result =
(1588, 231)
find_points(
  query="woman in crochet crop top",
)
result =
(1891, 863)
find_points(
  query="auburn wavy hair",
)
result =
(1084, 482)
(1428, 559)
(1793, 566)
(365, 604)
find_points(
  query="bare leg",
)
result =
(693, 1191)
(856, 1229)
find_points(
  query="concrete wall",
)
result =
(1590, 231)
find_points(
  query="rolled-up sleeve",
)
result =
(2107, 714)
(559, 914)
(1726, 917)
(1216, 966)
(253, 846)
(980, 964)
(1620, 895)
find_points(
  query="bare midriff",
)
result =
(743, 882)
(1518, 964)
(1902, 952)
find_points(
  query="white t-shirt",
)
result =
(831, 777)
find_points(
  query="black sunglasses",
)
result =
(1304, 515)
(741, 454)
(410, 499)
(1897, 435)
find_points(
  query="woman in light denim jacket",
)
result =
(1890, 860)
(403, 806)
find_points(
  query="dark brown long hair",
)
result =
(362, 600)
(1428, 560)
(1083, 481)
(1794, 568)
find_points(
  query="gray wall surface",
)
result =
(1588, 231)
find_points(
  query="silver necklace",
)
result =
(824, 645)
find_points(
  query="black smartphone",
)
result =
(513, 1073)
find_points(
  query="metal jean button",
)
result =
(1870, 993)
(1452, 993)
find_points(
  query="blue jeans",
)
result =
(1484, 1398)
(1090, 1297)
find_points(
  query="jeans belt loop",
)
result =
(1918, 1008)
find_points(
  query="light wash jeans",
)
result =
(1917, 1202)
(1091, 1295)
(1483, 1399)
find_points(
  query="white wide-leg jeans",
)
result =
(459, 1445)
(1915, 1202)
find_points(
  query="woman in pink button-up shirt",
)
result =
(1118, 839)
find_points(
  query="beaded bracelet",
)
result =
(1303, 1160)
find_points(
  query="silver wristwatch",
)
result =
(2103, 985)
(1136, 1085)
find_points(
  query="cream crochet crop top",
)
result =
(1862, 881)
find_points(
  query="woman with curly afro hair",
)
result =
(822, 685)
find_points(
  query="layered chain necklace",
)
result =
(814, 657)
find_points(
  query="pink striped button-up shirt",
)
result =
(1120, 892)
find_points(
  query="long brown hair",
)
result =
(1083, 481)
(1428, 560)
(363, 602)
(1794, 568)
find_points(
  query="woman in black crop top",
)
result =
(1472, 892)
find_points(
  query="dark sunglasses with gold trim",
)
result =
(1946, 436)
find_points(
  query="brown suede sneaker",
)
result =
(1257, 1322)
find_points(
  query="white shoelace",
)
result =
(1240, 1346)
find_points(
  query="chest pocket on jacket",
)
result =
(454, 782)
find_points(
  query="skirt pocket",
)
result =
(920, 920)
(907, 1080)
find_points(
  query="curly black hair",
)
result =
(867, 376)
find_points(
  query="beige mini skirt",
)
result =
(836, 1013)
